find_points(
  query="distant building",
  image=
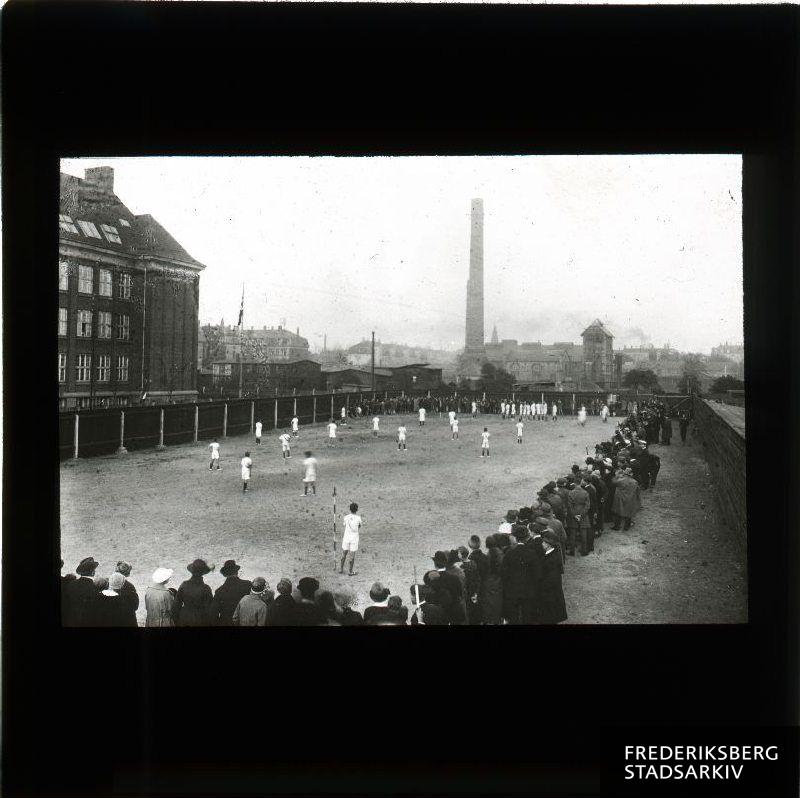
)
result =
(264, 378)
(391, 355)
(734, 352)
(128, 301)
(258, 344)
(355, 379)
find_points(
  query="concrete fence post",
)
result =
(275, 418)
(196, 421)
(294, 409)
(161, 446)
(75, 437)
(122, 449)
(252, 415)
(225, 420)
(314, 409)
(331, 405)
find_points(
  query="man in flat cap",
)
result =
(252, 608)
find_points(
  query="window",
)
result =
(124, 286)
(88, 229)
(66, 224)
(104, 283)
(85, 279)
(63, 275)
(124, 222)
(122, 368)
(84, 324)
(62, 367)
(84, 368)
(123, 327)
(104, 368)
(62, 321)
(111, 233)
(103, 324)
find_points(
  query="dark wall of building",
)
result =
(724, 449)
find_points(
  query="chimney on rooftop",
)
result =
(101, 178)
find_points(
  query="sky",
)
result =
(650, 244)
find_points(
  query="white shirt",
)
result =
(455, 425)
(258, 429)
(452, 415)
(505, 528)
(520, 425)
(422, 414)
(485, 439)
(284, 439)
(246, 465)
(344, 412)
(555, 408)
(214, 450)
(310, 464)
(352, 525)
(295, 423)
(401, 433)
(375, 422)
(474, 408)
(332, 430)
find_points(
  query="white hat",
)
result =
(608, 462)
(161, 575)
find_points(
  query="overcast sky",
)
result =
(650, 244)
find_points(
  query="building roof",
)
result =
(253, 362)
(598, 325)
(92, 201)
(352, 369)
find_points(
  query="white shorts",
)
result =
(215, 455)
(350, 543)
(285, 448)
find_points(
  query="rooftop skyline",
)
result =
(649, 244)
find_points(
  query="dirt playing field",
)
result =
(676, 565)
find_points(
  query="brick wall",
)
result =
(720, 429)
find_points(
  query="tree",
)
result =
(727, 383)
(642, 379)
(689, 382)
(494, 379)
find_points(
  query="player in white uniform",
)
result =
(285, 448)
(352, 527)
(422, 417)
(582, 416)
(502, 409)
(513, 410)
(331, 432)
(454, 429)
(474, 409)
(310, 478)
(295, 427)
(452, 415)
(520, 425)
(401, 436)
(247, 464)
(604, 414)
(344, 416)
(485, 442)
(375, 425)
(214, 446)
(554, 411)
(259, 427)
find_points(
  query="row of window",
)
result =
(83, 368)
(86, 281)
(88, 228)
(104, 324)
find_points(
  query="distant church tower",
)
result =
(494, 335)
(474, 344)
(598, 354)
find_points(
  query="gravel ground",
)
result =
(676, 565)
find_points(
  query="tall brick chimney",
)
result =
(101, 178)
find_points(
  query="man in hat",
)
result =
(194, 597)
(578, 508)
(128, 591)
(310, 477)
(520, 572)
(626, 499)
(159, 600)
(228, 595)
(281, 611)
(379, 609)
(683, 426)
(666, 430)
(82, 593)
(352, 529)
(252, 608)
(450, 583)
(306, 611)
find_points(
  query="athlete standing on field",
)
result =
(454, 429)
(247, 464)
(331, 432)
(485, 442)
(474, 409)
(520, 425)
(285, 450)
(401, 436)
(259, 426)
(422, 417)
(295, 426)
(214, 446)
(352, 527)
(452, 415)
(375, 424)
(310, 478)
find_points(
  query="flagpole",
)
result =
(241, 319)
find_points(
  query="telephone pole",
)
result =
(373, 361)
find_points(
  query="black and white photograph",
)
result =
(307, 391)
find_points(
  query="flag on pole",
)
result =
(241, 309)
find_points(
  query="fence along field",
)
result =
(89, 433)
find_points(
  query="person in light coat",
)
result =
(159, 600)
(626, 499)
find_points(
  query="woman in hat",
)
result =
(194, 598)
(159, 600)
(552, 607)
(112, 609)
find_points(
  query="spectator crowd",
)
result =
(514, 576)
